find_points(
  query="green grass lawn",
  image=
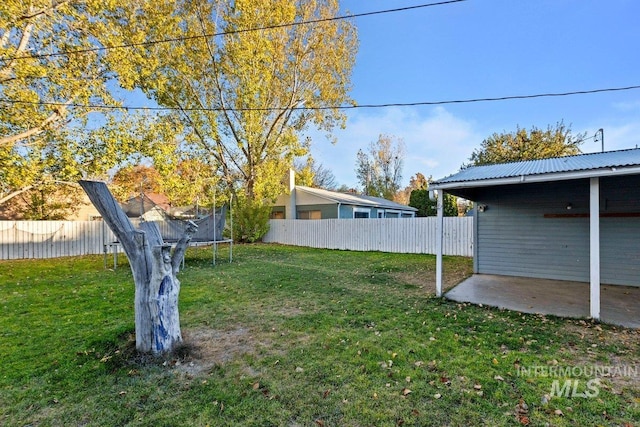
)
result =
(288, 336)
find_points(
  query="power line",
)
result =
(338, 107)
(269, 27)
(501, 98)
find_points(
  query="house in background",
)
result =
(571, 219)
(316, 203)
(138, 205)
(13, 209)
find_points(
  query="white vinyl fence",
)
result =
(52, 239)
(403, 235)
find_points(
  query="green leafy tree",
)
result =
(52, 201)
(251, 220)
(50, 75)
(244, 96)
(419, 198)
(527, 145)
(379, 169)
(416, 182)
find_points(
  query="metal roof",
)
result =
(609, 163)
(355, 199)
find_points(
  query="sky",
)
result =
(484, 49)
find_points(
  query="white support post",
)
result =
(293, 204)
(594, 248)
(439, 237)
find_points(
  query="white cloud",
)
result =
(437, 142)
(621, 135)
(627, 106)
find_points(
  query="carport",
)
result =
(569, 220)
(618, 304)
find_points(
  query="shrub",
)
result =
(250, 220)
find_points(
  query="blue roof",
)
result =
(568, 167)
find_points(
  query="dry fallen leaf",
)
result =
(522, 410)
(524, 420)
(437, 396)
(558, 412)
(405, 391)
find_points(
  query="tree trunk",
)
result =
(154, 271)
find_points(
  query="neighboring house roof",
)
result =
(354, 199)
(149, 201)
(609, 163)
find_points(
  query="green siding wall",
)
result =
(328, 211)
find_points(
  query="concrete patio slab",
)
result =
(619, 305)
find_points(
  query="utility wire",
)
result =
(223, 33)
(501, 98)
(336, 107)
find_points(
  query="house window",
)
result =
(277, 215)
(380, 214)
(309, 215)
(361, 213)
(391, 214)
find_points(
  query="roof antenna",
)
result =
(599, 136)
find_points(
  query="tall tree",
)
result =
(416, 182)
(130, 181)
(379, 170)
(420, 200)
(49, 65)
(244, 94)
(527, 145)
(314, 174)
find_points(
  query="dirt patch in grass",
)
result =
(207, 348)
(426, 280)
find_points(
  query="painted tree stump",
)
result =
(154, 269)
